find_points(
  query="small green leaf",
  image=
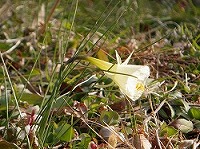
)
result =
(109, 117)
(194, 113)
(5, 100)
(30, 98)
(127, 130)
(85, 139)
(163, 114)
(4, 47)
(169, 131)
(34, 72)
(64, 132)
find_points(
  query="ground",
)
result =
(52, 97)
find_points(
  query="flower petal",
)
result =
(128, 59)
(119, 60)
(131, 79)
(100, 63)
(130, 86)
(138, 71)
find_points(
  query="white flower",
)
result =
(131, 79)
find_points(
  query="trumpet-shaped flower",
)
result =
(131, 79)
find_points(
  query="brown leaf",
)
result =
(106, 132)
(112, 140)
(65, 87)
(7, 145)
(118, 106)
(141, 142)
(102, 55)
(183, 125)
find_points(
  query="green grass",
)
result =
(73, 104)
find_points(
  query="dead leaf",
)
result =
(118, 106)
(8, 145)
(183, 125)
(101, 54)
(141, 142)
(112, 140)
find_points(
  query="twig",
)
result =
(158, 140)
(11, 40)
(196, 144)
(12, 48)
(49, 16)
(159, 107)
